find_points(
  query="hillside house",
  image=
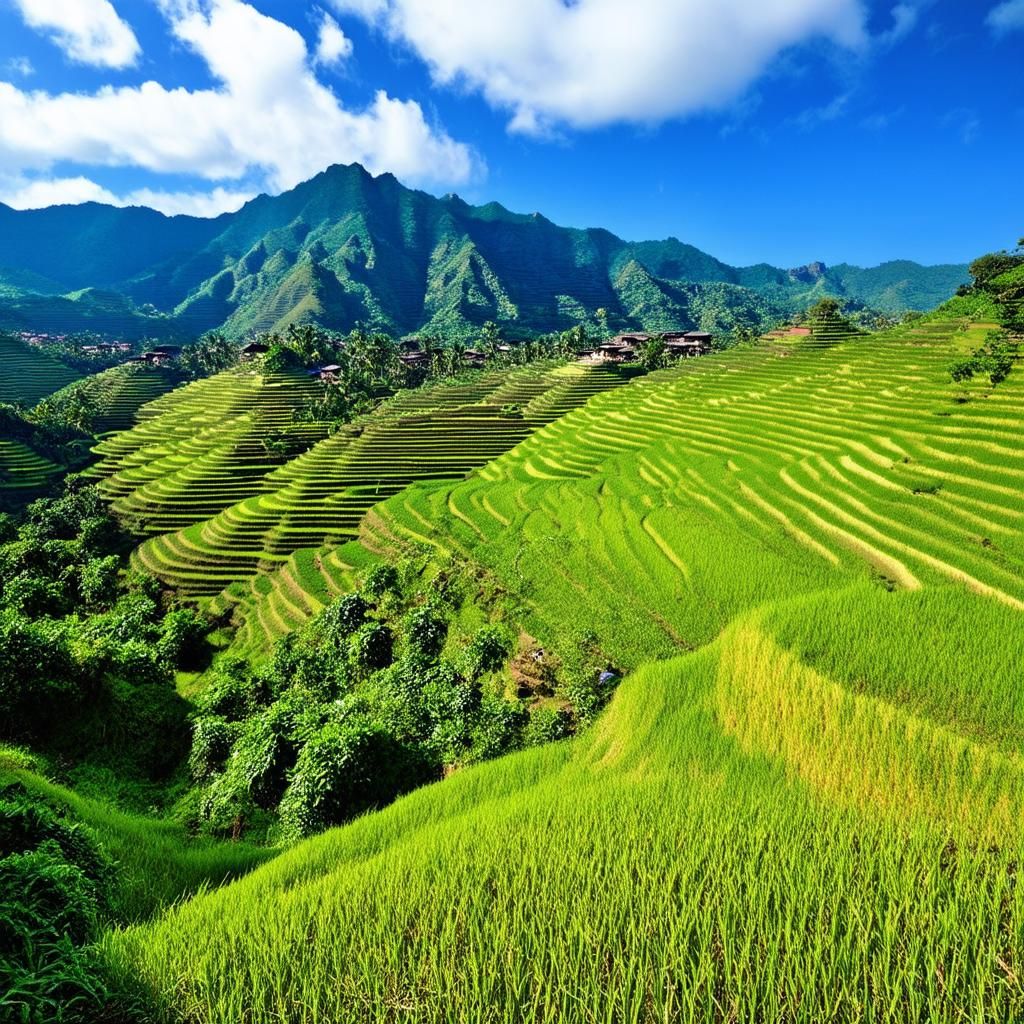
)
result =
(254, 349)
(623, 347)
(414, 358)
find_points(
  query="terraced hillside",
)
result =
(28, 374)
(204, 447)
(859, 458)
(24, 473)
(320, 497)
(808, 809)
(117, 394)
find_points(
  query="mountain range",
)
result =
(347, 247)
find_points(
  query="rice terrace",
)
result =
(413, 610)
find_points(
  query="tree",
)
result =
(825, 309)
(653, 353)
(490, 338)
(211, 354)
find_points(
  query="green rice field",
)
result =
(803, 803)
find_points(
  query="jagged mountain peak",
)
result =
(372, 245)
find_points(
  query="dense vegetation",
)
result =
(802, 554)
(346, 247)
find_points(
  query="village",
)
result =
(414, 353)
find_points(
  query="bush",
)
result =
(345, 615)
(425, 631)
(98, 580)
(382, 579)
(183, 638)
(487, 651)
(344, 769)
(212, 737)
(55, 885)
(547, 725)
(372, 647)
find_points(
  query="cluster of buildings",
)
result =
(158, 355)
(624, 348)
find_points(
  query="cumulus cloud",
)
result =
(88, 31)
(332, 46)
(23, 193)
(597, 62)
(267, 118)
(1007, 17)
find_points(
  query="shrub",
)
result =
(344, 769)
(380, 580)
(212, 737)
(547, 725)
(345, 615)
(487, 651)
(98, 580)
(182, 638)
(425, 631)
(372, 647)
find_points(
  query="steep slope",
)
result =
(201, 448)
(28, 374)
(114, 396)
(812, 817)
(346, 247)
(320, 497)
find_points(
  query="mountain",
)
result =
(346, 246)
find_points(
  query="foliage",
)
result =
(87, 657)
(994, 360)
(374, 696)
(56, 886)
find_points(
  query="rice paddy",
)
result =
(803, 803)
(320, 497)
(24, 472)
(28, 374)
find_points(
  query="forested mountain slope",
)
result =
(346, 247)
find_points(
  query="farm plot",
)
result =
(28, 374)
(321, 496)
(23, 472)
(655, 514)
(204, 447)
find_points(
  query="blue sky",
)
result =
(782, 130)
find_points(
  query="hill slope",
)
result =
(813, 816)
(28, 374)
(346, 247)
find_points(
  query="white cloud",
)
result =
(88, 31)
(195, 204)
(20, 66)
(267, 118)
(1006, 17)
(904, 20)
(597, 62)
(33, 194)
(332, 46)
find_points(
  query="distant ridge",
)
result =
(346, 246)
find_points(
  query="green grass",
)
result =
(320, 497)
(687, 860)
(157, 864)
(814, 816)
(28, 374)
